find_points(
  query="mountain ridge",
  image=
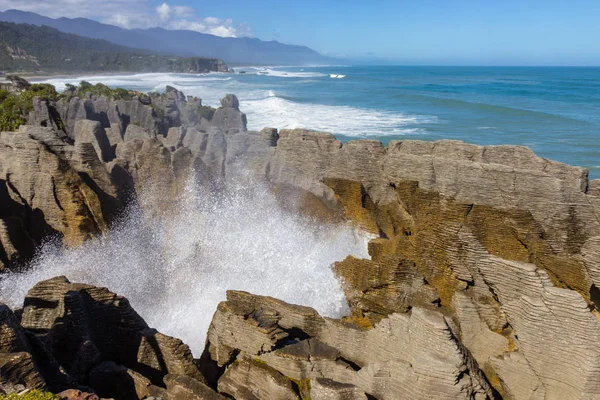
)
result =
(30, 48)
(177, 42)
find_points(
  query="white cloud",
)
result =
(184, 11)
(211, 25)
(120, 20)
(133, 14)
(211, 20)
(163, 11)
(182, 17)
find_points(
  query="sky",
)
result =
(444, 32)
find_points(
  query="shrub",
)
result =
(206, 112)
(32, 395)
(102, 90)
(15, 107)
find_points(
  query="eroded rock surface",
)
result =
(404, 356)
(86, 338)
(482, 278)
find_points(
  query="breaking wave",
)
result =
(175, 271)
(279, 112)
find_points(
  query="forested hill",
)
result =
(244, 50)
(33, 48)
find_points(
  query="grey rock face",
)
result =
(183, 387)
(483, 276)
(326, 389)
(53, 310)
(72, 334)
(406, 356)
(114, 381)
(87, 131)
(230, 100)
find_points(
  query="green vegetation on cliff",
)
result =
(98, 89)
(31, 395)
(31, 48)
(14, 107)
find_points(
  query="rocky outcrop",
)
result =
(483, 272)
(81, 337)
(415, 355)
(70, 176)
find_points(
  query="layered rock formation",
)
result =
(71, 336)
(483, 276)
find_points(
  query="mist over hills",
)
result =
(178, 42)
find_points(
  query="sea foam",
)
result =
(176, 271)
(278, 112)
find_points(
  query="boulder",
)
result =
(230, 101)
(228, 117)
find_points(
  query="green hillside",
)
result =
(29, 48)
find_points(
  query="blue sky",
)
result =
(465, 32)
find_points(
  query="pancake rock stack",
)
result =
(483, 280)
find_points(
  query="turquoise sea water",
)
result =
(554, 111)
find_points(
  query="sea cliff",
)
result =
(482, 279)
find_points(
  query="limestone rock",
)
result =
(228, 117)
(12, 336)
(87, 131)
(231, 101)
(249, 379)
(414, 355)
(136, 132)
(182, 387)
(114, 381)
(35, 166)
(20, 369)
(75, 394)
(326, 389)
(174, 138)
(44, 114)
(83, 325)
(594, 188)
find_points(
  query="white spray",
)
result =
(175, 272)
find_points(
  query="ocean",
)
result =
(554, 111)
